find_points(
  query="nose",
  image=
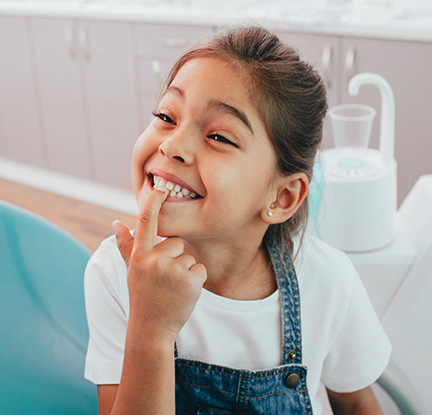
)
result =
(179, 148)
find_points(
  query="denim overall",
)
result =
(203, 388)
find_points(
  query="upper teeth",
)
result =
(175, 189)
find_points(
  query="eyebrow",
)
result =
(222, 106)
(176, 90)
(217, 105)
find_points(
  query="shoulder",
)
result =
(106, 259)
(319, 263)
(107, 251)
(319, 251)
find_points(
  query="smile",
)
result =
(175, 190)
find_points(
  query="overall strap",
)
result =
(289, 295)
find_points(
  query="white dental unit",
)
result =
(392, 250)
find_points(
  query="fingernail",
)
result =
(164, 191)
(115, 226)
(160, 186)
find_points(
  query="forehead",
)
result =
(214, 78)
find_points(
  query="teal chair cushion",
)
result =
(43, 328)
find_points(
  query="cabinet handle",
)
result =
(349, 63)
(174, 42)
(326, 63)
(70, 40)
(84, 43)
(156, 66)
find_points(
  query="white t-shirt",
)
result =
(344, 345)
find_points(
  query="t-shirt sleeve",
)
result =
(107, 307)
(361, 349)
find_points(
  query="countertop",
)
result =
(408, 24)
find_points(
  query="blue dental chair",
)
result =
(43, 328)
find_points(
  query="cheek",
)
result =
(143, 149)
(138, 157)
(228, 189)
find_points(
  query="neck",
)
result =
(238, 271)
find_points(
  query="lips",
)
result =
(176, 187)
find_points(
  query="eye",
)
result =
(163, 117)
(221, 139)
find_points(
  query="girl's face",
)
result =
(208, 141)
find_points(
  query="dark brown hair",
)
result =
(290, 98)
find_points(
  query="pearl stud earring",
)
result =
(269, 213)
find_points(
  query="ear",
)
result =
(290, 195)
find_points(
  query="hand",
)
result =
(164, 282)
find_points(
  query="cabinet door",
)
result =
(20, 133)
(407, 66)
(61, 90)
(111, 88)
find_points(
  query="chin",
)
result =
(174, 232)
(166, 231)
(165, 234)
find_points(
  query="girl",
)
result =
(237, 310)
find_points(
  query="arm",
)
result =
(146, 386)
(106, 397)
(362, 402)
(164, 285)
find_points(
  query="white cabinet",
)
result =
(20, 128)
(87, 82)
(163, 43)
(61, 97)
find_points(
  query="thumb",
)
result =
(125, 240)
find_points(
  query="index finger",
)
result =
(146, 230)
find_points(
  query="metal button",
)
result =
(292, 355)
(292, 380)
